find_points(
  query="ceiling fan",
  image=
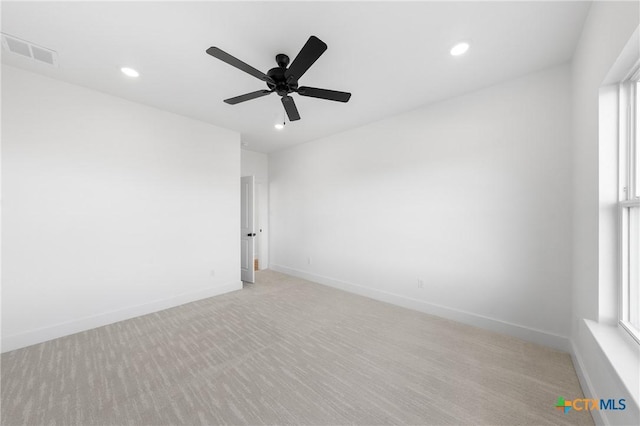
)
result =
(283, 80)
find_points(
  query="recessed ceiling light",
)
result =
(459, 49)
(130, 72)
(279, 126)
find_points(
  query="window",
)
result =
(629, 205)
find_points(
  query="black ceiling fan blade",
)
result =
(247, 97)
(332, 95)
(290, 107)
(235, 62)
(311, 51)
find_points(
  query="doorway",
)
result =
(247, 229)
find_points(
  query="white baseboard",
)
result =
(44, 334)
(525, 333)
(586, 384)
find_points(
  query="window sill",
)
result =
(622, 351)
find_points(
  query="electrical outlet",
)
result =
(212, 272)
(308, 260)
(420, 283)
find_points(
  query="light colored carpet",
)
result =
(287, 351)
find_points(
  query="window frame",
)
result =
(628, 198)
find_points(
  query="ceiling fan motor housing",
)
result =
(280, 84)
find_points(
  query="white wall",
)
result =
(257, 164)
(471, 196)
(604, 356)
(111, 209)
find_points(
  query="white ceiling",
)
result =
(392, 56)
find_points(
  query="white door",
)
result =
(247, 228)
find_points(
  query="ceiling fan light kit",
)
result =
(283, 80)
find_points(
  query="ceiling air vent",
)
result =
(30, 50)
